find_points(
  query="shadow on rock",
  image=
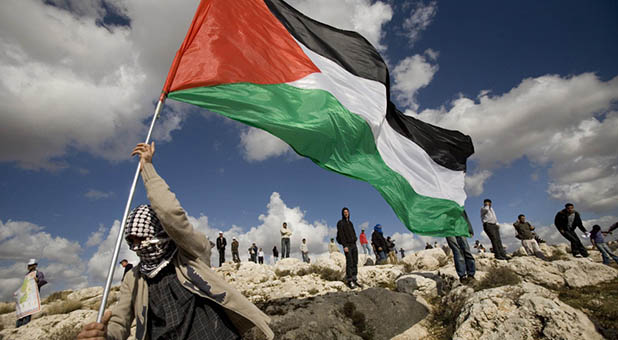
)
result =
(373, 313)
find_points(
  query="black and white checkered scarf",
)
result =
(157, 250)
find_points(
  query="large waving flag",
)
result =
(325, 92)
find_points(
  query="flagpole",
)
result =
(112, 265)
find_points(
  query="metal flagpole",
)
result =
(112, 265)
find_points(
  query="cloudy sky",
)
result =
(535, 84)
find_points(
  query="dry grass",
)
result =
(67, 333)
(558, 255)
(324, 273)
(358, 320)
(443, 319)
(64, 307)
(56, 296)
(7, 307)
(497, 277)
(598, 302)
(111, 299)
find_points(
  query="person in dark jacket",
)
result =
(235, 255)
(275, 254)
(221, 243)
(566, 221)
(346, 236)
(379, 243)
(127, 267)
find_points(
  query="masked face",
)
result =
(147, 238)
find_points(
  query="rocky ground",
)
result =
(418, 298)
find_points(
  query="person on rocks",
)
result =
(260, 256)
(221, 244)
(39, 278)
(275, 254)
(286, 234)
(566, 221)
(172, 293)
(127, 267)
(379, 243)
(465, 265)
(524, 233)
(346, 237)
(364, 243)
(391, 250)
(332, 246)
(428, 246)
(402, 252)
(596, 237)
(304, 251)
(235, 255)
(253, 252)
(436, 245)
(491, 228)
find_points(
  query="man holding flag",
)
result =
(172, 293)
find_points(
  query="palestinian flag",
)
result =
(325, 92)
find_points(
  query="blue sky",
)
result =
(534, 84)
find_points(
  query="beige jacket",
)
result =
(191, 262)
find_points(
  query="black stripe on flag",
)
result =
(355, 54)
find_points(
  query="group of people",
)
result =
(566, 221)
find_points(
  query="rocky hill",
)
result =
(418, 298)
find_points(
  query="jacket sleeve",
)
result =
(172, 215)
(578, 223)
(558, 222)
(119, 326)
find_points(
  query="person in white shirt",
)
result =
(304, 250)
(261, 256)
(491, 228)
(286, 233)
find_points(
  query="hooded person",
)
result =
(379, 243)
(346, 236)
(172, 293)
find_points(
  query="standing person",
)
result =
(304, 250)
(221, 243)
(390, 245)
(364, 243)
(491, 228)
(235, 255)
(435, 245)
(286, 234)
(524, 233)
(379, 243)
(332, 246)
(173, 293)
(596, 237)
(260, 256)
(127, 266)
(254, 252)
(402, 252)
(346, 237)
(566, 221)
(465, 265)
(39, 278)
(275, 254)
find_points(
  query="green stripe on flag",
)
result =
(317, 126)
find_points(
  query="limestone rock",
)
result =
(85, 293)
(379, 276)
(291, 266)
(525, 311)
(51, 327)
(429, 259)
(418, 283)
(521, 251)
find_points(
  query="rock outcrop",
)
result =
(310, 301)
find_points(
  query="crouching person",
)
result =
(172, 293)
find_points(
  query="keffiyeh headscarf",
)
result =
(157, 250)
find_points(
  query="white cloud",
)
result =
(258, 145)
(475, 182)
(420, 18)
(98, 264)
(94, 195)
(412, 74)
(565, 123)
(80, 85)
(362, 16)
(96, 237)
(59, 258)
